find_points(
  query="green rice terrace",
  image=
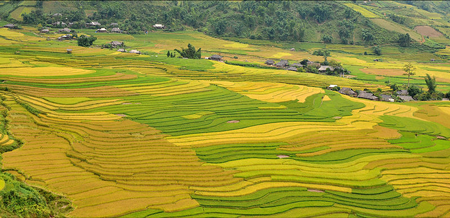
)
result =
(90, 129)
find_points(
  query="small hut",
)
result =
(323, 69)
(348, 91)
(102, 30)
(45, 31)
(135, 52)
(10, 26)
(292, 69)
(116, 44)
(158, 26)
(116, 30)
(69, 51)
(216, 58)
(270, 62)
(282, 63)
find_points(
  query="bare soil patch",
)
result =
(233, 121)
(428, 31)
(314, 190)
(282, 156)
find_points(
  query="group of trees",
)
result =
(415, 91)
(86, 41)
(190, 52)
(404, 40)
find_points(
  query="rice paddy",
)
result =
(146, 136)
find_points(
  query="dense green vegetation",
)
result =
(284, 21)
(158, 135)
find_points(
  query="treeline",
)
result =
(332, 21)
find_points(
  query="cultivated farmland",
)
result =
(121, 134)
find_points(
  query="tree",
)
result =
(410, 70)
(168, 54)
(85, 41)
(327, 38)
(367, 35)
(304, 62)
(431, 83)
(190, 52)
(377, 50)
(414, 91)
(404, 40)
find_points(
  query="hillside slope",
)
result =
(311, 21)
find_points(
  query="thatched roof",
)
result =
(65, 30)
(116, 43)
(270, 62)
(297, 65)
(292, 69)
(10, 25)
(324, 68)
(406, 98)
(367, 95)
(282, 63)
(387, 98)
(215, 57)
(347, 91)
(402, 92)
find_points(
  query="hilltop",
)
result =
(306, 21)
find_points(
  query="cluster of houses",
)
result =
(402, 94)
(294, 67)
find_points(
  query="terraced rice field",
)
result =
(143, 136)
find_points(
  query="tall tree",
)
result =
(410, 70)
(431, 83)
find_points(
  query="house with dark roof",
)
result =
(216, 58)
(348, 91)
(282, 63)
(270, 62)
(367, 95)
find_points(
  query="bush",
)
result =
(85, 41)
